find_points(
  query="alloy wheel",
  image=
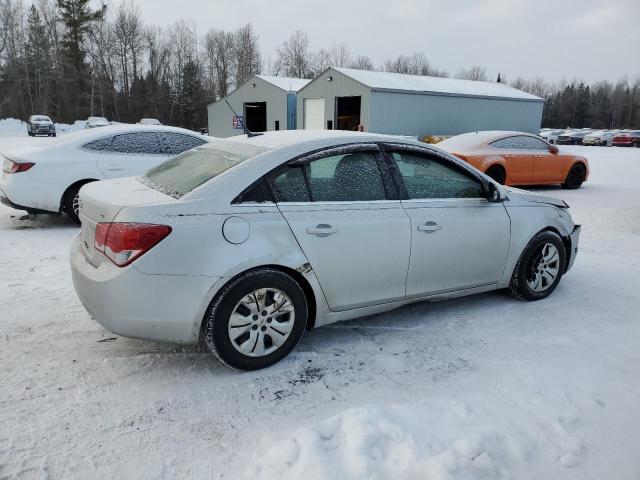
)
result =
(544, 268)
(76, 205)
(261, 322)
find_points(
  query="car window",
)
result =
(519, 142)
(174, 143)
(187, 171)
(257, 193)
(425, 177)
(289, 185)
(141, 143)
(101, 144)
(351, 177)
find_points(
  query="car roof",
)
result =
(476, 139)
(129, 128)
(284, 138)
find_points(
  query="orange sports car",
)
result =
(517, 158)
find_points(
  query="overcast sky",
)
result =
(583, 39)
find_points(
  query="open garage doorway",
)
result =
(347, 113)
(255, 116)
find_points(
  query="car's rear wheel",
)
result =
(539, 268)
(71, 202)
(575, 177)
(256, 320)
(497, 173)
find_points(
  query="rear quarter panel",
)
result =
(197, 245)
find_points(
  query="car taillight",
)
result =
(9, 166)
(122, 243)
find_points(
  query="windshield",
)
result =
(97, 119)
(182, 174)
(41, 118)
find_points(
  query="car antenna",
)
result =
(248, 132)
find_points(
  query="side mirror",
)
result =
(553, 149)
(494, 195)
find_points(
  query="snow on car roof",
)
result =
(273, 140)
(285, 83)
(424, 84)
(473, 139)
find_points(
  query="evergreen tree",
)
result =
(38, 63)
(76, 16)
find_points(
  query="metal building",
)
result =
(263, 103)
(393, 103)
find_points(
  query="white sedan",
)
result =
(95, 122)
(248, 241)
(602, 138)
(47, 178)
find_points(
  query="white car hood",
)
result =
(517, 195)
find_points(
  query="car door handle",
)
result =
(115, 169)
(322, 230)
(429, 227)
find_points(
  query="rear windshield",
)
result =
(180, 175)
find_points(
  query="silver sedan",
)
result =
(246, 242)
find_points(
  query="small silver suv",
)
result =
(40, 125)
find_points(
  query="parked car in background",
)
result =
(551, 135)
(94, 122)
(573, 137)
(48, 178)
(517, 158)
(627, 139)
(603, 138)
(40, 125)
(248, 241)
(149, 121)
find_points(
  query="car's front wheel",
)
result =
(256, 320)
(539, 268)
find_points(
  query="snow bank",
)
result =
(436, 440)
(12, 126)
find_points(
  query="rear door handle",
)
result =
(322, 230)
(429, 227)
(114, 169)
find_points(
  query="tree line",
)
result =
(68, 60)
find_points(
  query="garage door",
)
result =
(314, 113)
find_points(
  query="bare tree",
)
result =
(362, 62)
(415, 64)
(294, 58)
(247, 54)
(219, 50)
(476, 72)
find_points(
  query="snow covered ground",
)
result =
(12, 127)
(482, 387)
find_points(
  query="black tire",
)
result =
(497, 173)
(528, 262)
(68, 201)
(217, 318)
(575, 177)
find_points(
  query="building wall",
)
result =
(422, 114)
(340, 86)
(220, 116)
